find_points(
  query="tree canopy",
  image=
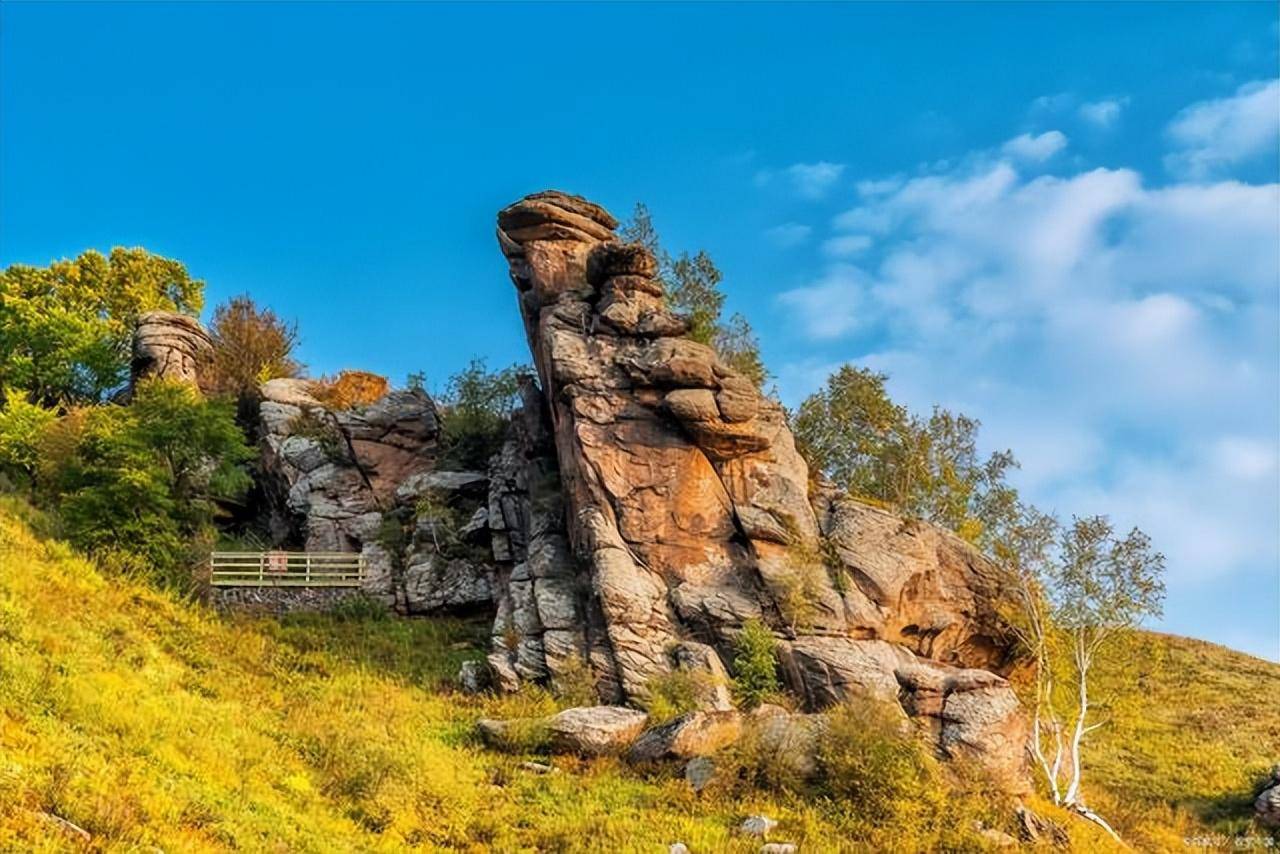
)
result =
(66, 329)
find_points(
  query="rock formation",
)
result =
(366, 480)
(169, 345)
(689, 511)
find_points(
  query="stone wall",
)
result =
(279, 600)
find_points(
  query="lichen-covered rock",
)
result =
(169, 346)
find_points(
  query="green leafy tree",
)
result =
(65, 329)
(476, 405)
(852, 432)
(692, 285)
(144, 479)
(21, 425)
(250, 346)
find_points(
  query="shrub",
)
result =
(350, 389)
(144, 479)
(250, 346)
(755, 671)
(21, 424)
(575, 684)
(674, 694)
(476, 405)
(870, 762)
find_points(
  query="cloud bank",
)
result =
(1120, 337)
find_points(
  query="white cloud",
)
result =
(1035, 149)
(788, 235)
(846, 245)
(1212, 136)
(1121, 339)
(1103, 113)
(814, 180)
(828, 307)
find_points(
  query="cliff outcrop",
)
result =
(689, 511)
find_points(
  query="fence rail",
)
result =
(286, 569)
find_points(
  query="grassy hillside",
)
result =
(150, 721)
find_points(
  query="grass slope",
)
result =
(152, 722)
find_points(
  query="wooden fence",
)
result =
(286, 569)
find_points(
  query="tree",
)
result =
(143, 479)
(21, 425)
(692, 286)
(66, 329)
(250, 346)
(852, 432)
(1067, 604)
(476, 405)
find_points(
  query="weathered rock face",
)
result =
(170, 346)
(688, 512)
(357, 479)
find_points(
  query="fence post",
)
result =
(308, 569)
(262, 566)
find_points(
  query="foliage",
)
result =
(21, 425)
(755, 670)
(250, 346)
(869, 760)
(675, 693)
(350, 389)
(852, 432)
(692, 285)
(1068, 600)
(151, 722)
(66, 329)
(476, 405)
(143, 479)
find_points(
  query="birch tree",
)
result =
(1068, 603)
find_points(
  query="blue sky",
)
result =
(1062, 219)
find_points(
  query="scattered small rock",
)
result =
(758, 825)
(778, 848)
(473, 677)
(1033, 828)
(678, 848)
(699, 773)
(538, 767)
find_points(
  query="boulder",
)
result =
(472, 677)
(595, 730)
(692, 734)
(1266, 806)
(170, 346)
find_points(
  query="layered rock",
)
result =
(688, 512)
(170, 346)
(365, 480)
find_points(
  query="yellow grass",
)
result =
(150, 721)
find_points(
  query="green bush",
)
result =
(871, 763)
(144, 480)
(21, 424)
(65, 329)
(674, 694)
(476, 405)
(755, 671)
